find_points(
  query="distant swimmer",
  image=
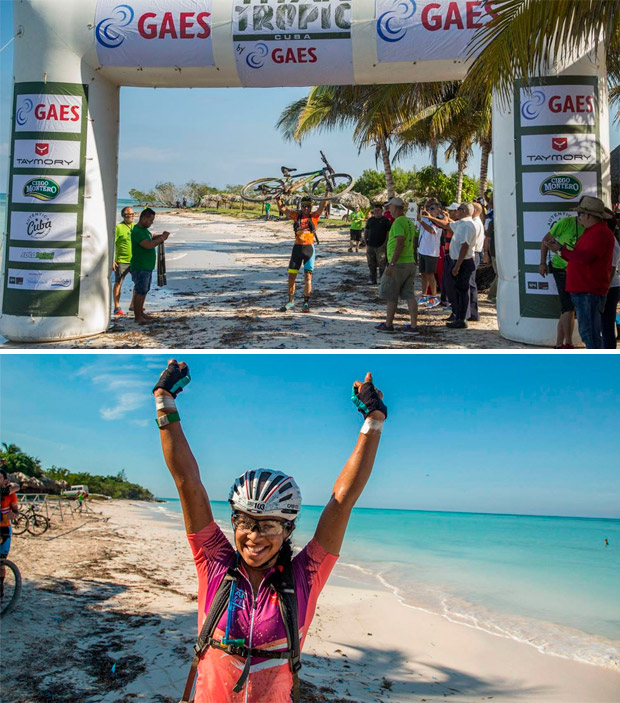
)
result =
(606, 542)
(256, 599)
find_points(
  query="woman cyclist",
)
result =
(251, 631)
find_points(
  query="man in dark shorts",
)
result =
(375, 234)
(567, 231)
(9, 513)
(143, 260)
(122, 256)
(305, 222)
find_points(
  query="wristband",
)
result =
(167, 420)
(165, 402)
(371, 424)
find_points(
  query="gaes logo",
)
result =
(390, 24)
(109, 31)
(564, 186)
(38, 225)
(41, 189)
(256, 58)
(533, 106)
(23, 112)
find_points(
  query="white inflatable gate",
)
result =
(549, 148)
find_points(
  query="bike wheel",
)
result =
(38, 524)
(262, 190)
(21, 524)
(329, 187)
(10, 587)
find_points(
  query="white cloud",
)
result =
(126, 404)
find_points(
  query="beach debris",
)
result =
(386, 684)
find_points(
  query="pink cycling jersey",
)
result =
(257, 619)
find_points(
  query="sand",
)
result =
(227, 280)
(108, 615)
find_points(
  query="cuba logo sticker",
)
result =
(564, 186)
(41, 189)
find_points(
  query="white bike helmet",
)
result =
(266, 492)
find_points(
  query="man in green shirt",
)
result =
(143, 261)
(566, 231)
(356, 229)
(122, 256)
(399, 276)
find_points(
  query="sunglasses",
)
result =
(462, 209)
(268, 528)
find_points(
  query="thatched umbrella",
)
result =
(352, 200)
(236, 199)
(381, 197)
(409, 196)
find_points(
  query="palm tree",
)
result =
(526, 36)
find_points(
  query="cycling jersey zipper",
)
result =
(254, 605)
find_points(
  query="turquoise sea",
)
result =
(547, 581)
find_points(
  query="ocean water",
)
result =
(548, 581)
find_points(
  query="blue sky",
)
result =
(218, 136)
(486, 433)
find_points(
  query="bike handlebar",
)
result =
(326, 162)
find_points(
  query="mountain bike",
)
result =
(321, 185)
(31, 519)
(10, 586)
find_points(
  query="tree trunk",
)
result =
(387, 167)
(484, 165)
(462, 165)
(433, 149)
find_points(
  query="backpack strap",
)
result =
(217, 609)
(285, 586)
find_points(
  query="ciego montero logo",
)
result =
(564, 186)
(41, 189)
(256, 58)
(109, 31)
(38, 225)
(390, 24)
(533, 106)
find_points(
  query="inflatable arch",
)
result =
(550, 145)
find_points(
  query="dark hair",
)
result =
(147, 212)
(285, 555)
(125, 208)
(4, 472)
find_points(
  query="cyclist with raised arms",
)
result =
(305, 222)
(255, 599)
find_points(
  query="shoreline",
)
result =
(113, 603)
(227, 280)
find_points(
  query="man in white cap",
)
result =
(399, 276)
(588, 273)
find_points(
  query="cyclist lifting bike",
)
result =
(321, 185)
(10, 579)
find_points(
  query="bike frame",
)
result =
(293, 183)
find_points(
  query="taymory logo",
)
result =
(41, 188)
(564, 186)
(559, 143)
(111, 32)
(42, 149)
(392, 25)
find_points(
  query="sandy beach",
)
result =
(227, 280)
(108, 615)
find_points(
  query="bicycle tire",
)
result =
(13, 584)
(38, 524)
(20, 525)
(314, 187)
(270, 188)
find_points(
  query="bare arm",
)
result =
(155, 242)
(321, 208)
(348, 487)
(542, 266)
(186, 474)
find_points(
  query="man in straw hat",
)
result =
(589, 268)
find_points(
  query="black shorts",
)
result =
(356, 234)
(302, 254)
(428, 264)
(566, 302)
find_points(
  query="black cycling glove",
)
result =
(366, 399)
(173, 379)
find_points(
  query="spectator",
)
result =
(143, 260)
(375, 234)
(448, 292)
(489, 243)
(399, 276)
(566, 231)
(462, 247)
(473, 314)
(122, 256)
(184, 203)
(589, 267)
(388, 213)
(429, 245)
(608, 317)
(267, 208)
(356, 229)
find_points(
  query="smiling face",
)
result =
(257, 549)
